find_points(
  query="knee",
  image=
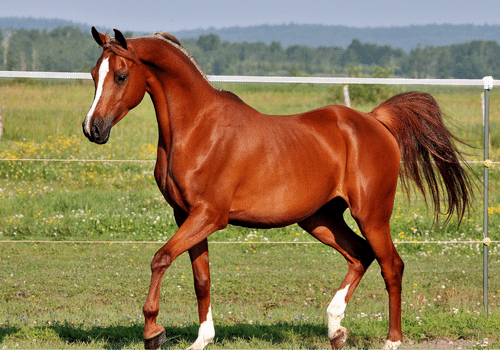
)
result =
(400, 266)
(160, 263)
(359, 267)
(393, 277)
(361, 262)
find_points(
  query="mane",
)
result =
(172, 40)
(111, 44)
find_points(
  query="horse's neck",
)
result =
(159, 99)
(187, 103)
(180, 92)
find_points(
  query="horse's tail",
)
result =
(427, 151)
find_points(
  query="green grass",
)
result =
(90, 295)
(266, 295)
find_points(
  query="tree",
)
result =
(20, 52)
(351, 55)
(208, 42)
(72, 50)
(444, 63)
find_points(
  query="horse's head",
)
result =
(120, 85)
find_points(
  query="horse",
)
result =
(220, 162)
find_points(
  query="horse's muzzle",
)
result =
(95, 134)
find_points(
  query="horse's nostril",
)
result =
(95, 132)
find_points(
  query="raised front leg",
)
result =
(201, 273)
(197, 227)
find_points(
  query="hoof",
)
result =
(156, 341)
(339, 339)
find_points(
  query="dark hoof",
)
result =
(156, 341)
(339, 339)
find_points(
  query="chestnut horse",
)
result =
(220, 162)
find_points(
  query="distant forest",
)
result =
(70, 49)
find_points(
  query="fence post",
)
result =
(488, 85)
(347, 98)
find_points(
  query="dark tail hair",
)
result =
(427, 151)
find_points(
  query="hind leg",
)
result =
(328, 226)
(373, 222)
(392, 267)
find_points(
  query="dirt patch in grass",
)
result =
(447, 344)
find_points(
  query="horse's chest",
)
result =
(171, 193)
(168, 186)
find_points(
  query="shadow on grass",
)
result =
(130, 336)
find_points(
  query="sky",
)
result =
(172, 16)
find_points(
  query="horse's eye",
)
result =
(121, 78)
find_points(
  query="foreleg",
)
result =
(197, 227)
(201, 273)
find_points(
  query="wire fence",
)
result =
(486, 242)
(80, 160)
(487, 83)
(69, 160)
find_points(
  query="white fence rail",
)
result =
(279, 79)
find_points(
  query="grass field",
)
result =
(81, 295)
(264, 296)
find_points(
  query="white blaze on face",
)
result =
(206, 333)
(335, 311)
(103, 72)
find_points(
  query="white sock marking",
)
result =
(391, 345)
(335, 311)
(206, 332)
(103, 72)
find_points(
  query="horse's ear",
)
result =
(98, 37)
(120, 38)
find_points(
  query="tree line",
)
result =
(69, 49)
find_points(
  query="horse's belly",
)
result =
(279, 207)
